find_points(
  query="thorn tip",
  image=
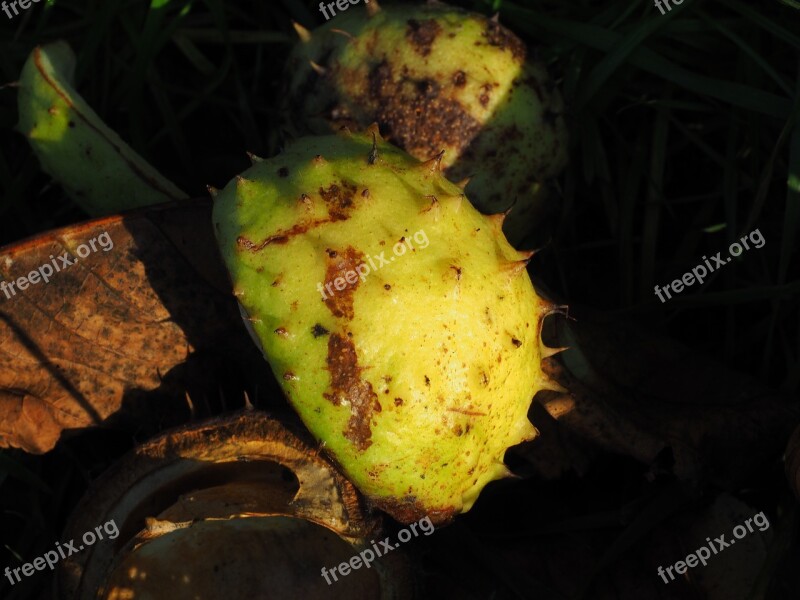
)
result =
(464, 183)
(319, 69)
(434, 165)
(303, 33)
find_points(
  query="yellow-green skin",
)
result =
(417, 377)
(435, 78)
(99, 171)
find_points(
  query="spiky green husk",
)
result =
(416, 377)
(437, 78)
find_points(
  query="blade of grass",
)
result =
(654, 202)
(712, 154)
(193, 54)
(735, 94)
(213, 36)
(741, 296)
(791, 218)
(619, 55)
(790, 225)
(765, 23)
(766, 177)
(171, 121)
(631, 177)
(748, 50)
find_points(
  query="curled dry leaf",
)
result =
(113, 327)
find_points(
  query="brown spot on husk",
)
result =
(282, 237)
(422, 34)
(346, 384)
(318, 331)
(339, 200)
(418, 115)
(340, 303)
(498, 36)
(485, 94)
(409, 510)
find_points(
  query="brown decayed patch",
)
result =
(339, 200)
(282, 237)
(498, 36)
(422, 34)
(417, 114)
(340, 303)
(409, 510)
(459, 79)
(346, 384)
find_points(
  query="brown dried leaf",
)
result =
(113, 327)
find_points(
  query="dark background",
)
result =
(684, 137)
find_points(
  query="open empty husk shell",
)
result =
(238, 507)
